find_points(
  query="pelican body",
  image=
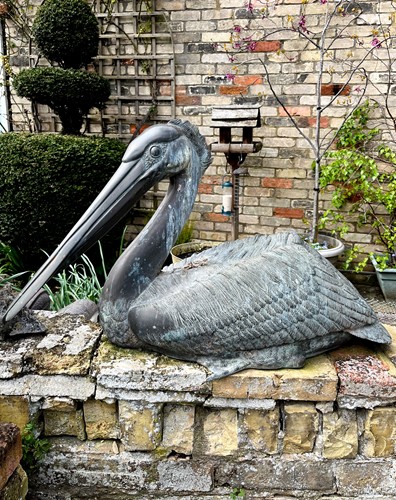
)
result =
(261, 302)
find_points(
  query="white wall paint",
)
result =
(4, 123)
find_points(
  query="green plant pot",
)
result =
(184, 250)
(386, 280)
(334, 247)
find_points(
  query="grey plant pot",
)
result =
(334, 250)
(386, 280)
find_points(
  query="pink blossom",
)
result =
(323, 2)
(375, 42)
(302, 24)
(230, 77)
(249, 6)
(237, 28)
(251, 46)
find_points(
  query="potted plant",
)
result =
(361, 174)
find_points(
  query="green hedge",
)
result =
(47, 181)
(66, 32)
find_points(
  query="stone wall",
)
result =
(277, 194)
(130, 424)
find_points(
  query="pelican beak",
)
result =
(132, 179)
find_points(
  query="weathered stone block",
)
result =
(248, 404)
(219, 433)
(380, 432)
(366, 477)
(65, 420)
(101, 420)
(178, 432)
(367, 378)
(68, 347)
(301, 427)
(279, 476)
(131, 370)
(13, 356)
(184, 476)
(14, 409)
(140, 425)
(340, 434)
(64, 445)
(262, 429)
(90, 469)
(317, 381)
(10, 452)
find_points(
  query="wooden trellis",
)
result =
(136, 54)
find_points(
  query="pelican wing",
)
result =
(249, 295)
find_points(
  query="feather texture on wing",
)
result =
(248, 295)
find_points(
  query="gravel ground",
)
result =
(386, 310)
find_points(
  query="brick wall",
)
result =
(129, 424)
(277, 194)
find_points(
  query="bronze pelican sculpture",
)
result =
(261, 302)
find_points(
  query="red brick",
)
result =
(310, 121)
(212, 217)
(205, 188)
(273, 46)
(181, 90)
(164, 88)
(211, 179)
(10, 451)
(275, 182)
(188, 100)
(290, 213)
(233, 89)
(133, 127)
(334, 88)
(295, 111)
(127, 62)
(324, 121)
(248, 80)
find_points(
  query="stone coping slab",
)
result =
(75, 361)
(117, 368)
(317, 381)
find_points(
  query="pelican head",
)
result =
(161, 151)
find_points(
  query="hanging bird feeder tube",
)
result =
(227, 118)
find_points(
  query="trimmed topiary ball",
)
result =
(47, 181)
(66, 32)
(71, 93)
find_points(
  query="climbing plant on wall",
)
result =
(344, 40)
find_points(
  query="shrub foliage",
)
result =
(71, 93)
(66, 32)
(47, 181)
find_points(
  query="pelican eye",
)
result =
(155, 151)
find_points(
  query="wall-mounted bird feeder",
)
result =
(227, 118)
